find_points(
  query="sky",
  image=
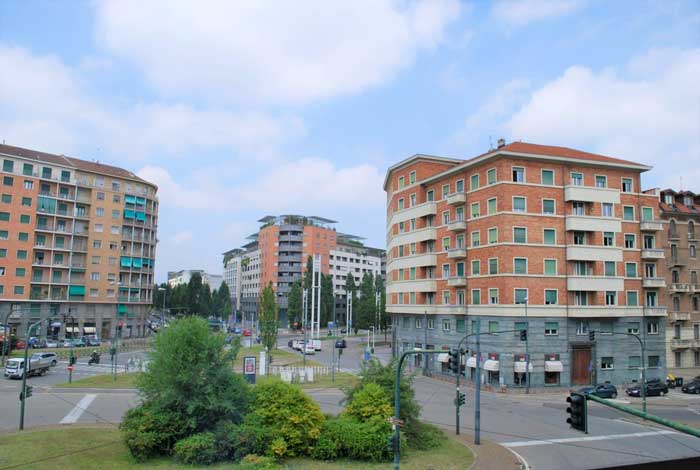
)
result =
(237, 110)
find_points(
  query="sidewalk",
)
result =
(488, 455)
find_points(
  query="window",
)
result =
(631, 269)
(493, 326)
(550, 236)
(4, 235)
(95, 260)
(518, 204)
(491, 176)
(493, 296)
(20, 272)
(654, 362)
(520, 266)
(445, 190)
(577, 179)
(626, 185)
(608, 239)
(28, 184)
(578, 208)
(476, 209)
(19, 290)
(550, 267)
(446, 325)
(431, 323)
(476, 238)
(400, 202)
(24, 219)
(446, 217)
(629, 240)
(651, 299)
(94, 292)
(461, 326)
(633, 362)
(476, 296)
(518, 326)
(445, 271)
(519, 235)
(610, 268)
(520, 296)
(518, 174)
(476, 267)
(551, 328)
(446, 243)
(605, 327)
(97, 244)
(412, 177)
(98, 228)
(23, 236)
(607, 209)
(610, 298)
(548, 206)
(606, 363)
(65, 176)
(633, 327)
(6, 198)
(27, 169)
(3, 252)
(580, 298)
(647, 213)
(601, 181)
(21, 254)
(493, 235)
(493, 265)
(401, 182)
(628, 212)
(491, 206)
(99, 211)
(411, 200)
(94, 276)
(548, 177)
(653, 327)
(115, 214)
(582, 328)
(692, 251)
(7, 180)
(550, 296)
(474, 182)
(116, 198)
(27, 201)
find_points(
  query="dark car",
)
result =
(341, 344)
(37, 343)
(602, 391)
(654, 388)
(691, 387)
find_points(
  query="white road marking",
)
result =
(584, 439)
(77, 411)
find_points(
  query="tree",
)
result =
(159, 294)
(381, 313)
(224, 300)
(366, 308)
(268, 318)
(350, 291)
(327, 299)
(206, 304)
(308, 273)
(294, 303)
(194, 294)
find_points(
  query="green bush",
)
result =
(198, 449)
(369, 401)
(250, 437)
(424, 436)
(149, 431)
(256, 462)
(347, 437)
(293, 415)
(330, 445)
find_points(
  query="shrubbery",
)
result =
(149, 431)
(369, 401)
(200, 449)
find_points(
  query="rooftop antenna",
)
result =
(490, 143)
(681, 183)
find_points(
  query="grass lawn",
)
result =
(101, 448)
(103, 381)
(324, 381)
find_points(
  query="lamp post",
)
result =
(527, 350)
(25, 372)
(71, 357)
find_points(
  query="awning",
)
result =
(519, 366)
(72, 329)
(553, 366)
(471, 362)
(56, 324)
(443, 357)
(89, 330)
(491, 365)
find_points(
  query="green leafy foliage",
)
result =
(347, 437)
(198, 449)
(250, 437)
(149, 431)
(294, 303)
(293, 415)
(268, 318)
(257, 462)
(423, 436)
(369, 401)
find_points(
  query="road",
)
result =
(533, 426)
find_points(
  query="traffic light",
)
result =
(30, 390)
(578, 411)
(523, 335)
(28, 393)
(72, 360)
(462, 399)
(391, 443)
(591, 335)
(454, 361)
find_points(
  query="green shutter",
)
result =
(76, 290)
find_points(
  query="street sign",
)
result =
(249, 368)
(70, 368)
(395, 422)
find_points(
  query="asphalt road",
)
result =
(533, 426)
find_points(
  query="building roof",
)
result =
(71, 162)
(562, 152)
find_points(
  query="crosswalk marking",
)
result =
(535, 442)
(75, 414)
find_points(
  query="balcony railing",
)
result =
(655, 311)
(653, 282)
(456, 225)
(456, 198)
(676, 288)
(652, 253)
(679, 316)
(650, 226)
(685, 343)
(457, 281)
(456, 253)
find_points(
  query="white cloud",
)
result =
(48, 108)
(271, 52)
(518, 13)
(184, 195)
(648, 111)
(182, 237)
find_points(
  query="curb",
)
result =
(88, 390)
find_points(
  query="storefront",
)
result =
(553, 368)
(519, 370)
(492, 366)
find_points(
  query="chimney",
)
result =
(501, 143)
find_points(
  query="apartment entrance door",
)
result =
(580, 366)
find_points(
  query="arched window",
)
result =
(672, 230)
(691, 230)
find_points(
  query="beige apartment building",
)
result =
(77, 241)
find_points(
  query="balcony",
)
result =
(676, 288)
(684, 343)
(595, 283)
(421, 210)
(650, 226)
(457, 225)
(652, 253)
(593, 253)
(585, 223)
(416, 236)
(456, 198)
(695, 288)
(676, 262)
(425, 259)
(591, 194)
(419, 285)
(655, 311)
(44, 227)
(679, 316)
(456, 253)
(80, 247)
(653, 282)
(457, 281)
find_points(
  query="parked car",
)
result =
(603, 390)
(50, 343)
(92, 340)
(20, 344)
(653, 388)
(65, 343)
(37, 343)
(691, 387)
(341, 344)
(247, 333)
(237, 330)
(309, 349)
(79, 343)
(50, 357)
(298, 344)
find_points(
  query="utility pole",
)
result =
(305, 296)
(25, 372)
(425, 344)
(313, 296)
(477, 394)
(318, 302)
(527, 350)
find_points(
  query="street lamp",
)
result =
(162, 313)
(527, 350)
(71, 358)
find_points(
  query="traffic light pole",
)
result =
(25, 372)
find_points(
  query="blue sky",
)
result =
(241, 109)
